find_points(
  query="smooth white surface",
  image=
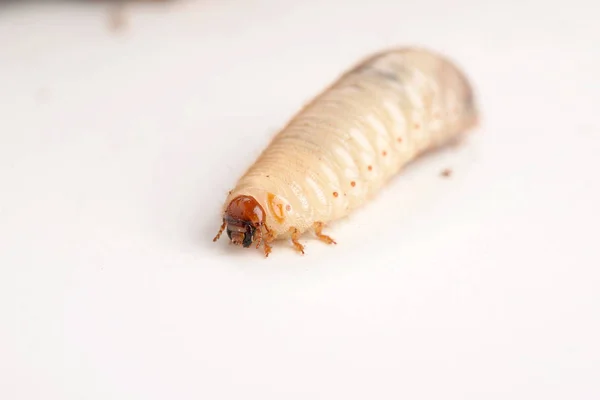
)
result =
(117, 149)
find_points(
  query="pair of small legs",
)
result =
(318, 229)
(295, 237)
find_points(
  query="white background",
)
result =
(117, 150)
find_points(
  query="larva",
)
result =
(342, 147)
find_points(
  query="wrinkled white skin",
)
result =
(383, 113)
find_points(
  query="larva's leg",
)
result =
(266, 240)
(259, 240)
(267, 249)
(318, 227)
(220, 232)
(295, 237)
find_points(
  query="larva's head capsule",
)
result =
(243, 217)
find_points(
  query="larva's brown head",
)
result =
(242, 218)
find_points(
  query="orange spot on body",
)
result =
(399, 140)
(384, 153)
(276, 207)
(370, 168)
(335, 194)
(352, 183)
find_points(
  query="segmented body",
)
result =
(340, 149)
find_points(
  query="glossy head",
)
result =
(243, 217)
